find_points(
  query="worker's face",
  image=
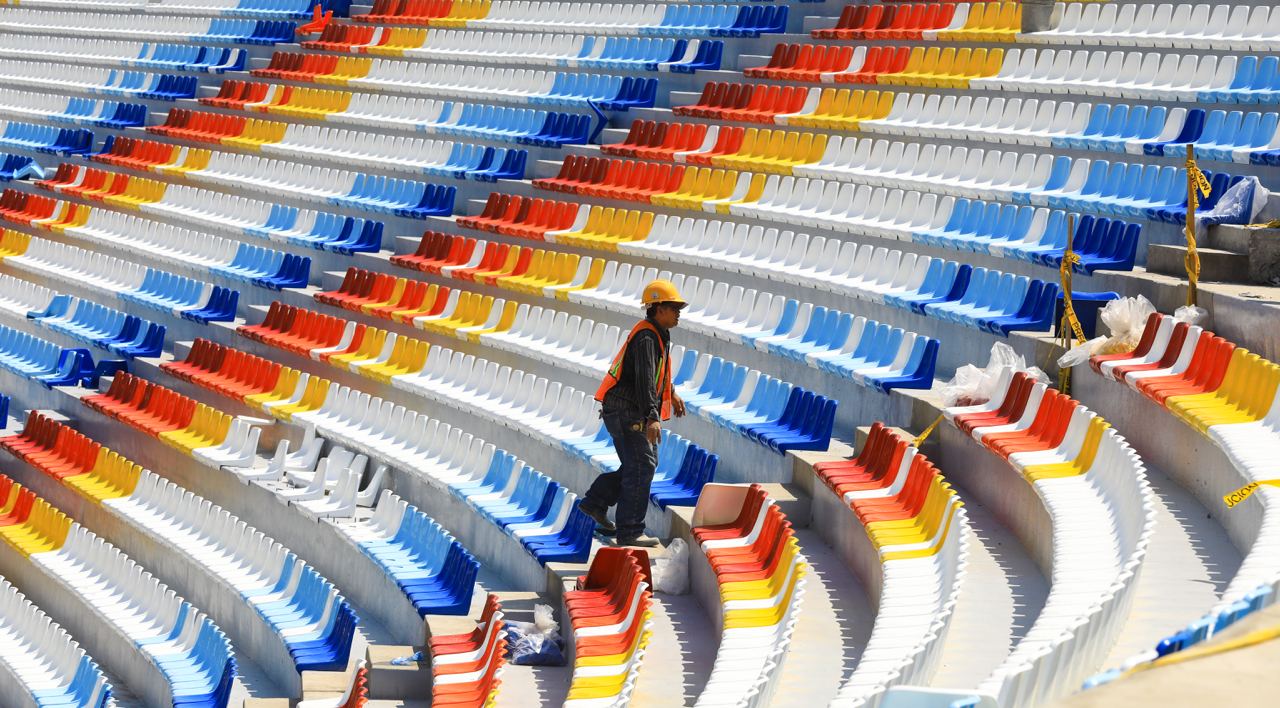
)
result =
(668, 316)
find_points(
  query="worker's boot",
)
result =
(604, 526)
(641, 541)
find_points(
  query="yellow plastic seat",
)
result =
(1078, 466)
(940, 535)
(594, 275)
(507, 318)
(286, 382)
(313, 397)
(767, 616)
(13, 243)
(1244, 396)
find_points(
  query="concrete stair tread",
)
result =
(1189, 564)
(681, 651)
(1215, 264)
(532, 685)
(835, 621)
(1002, 595)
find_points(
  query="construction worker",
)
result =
(636, 396)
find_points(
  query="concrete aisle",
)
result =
(835, 622)
(1001, 597)
(1189, 563)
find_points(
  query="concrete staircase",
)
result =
(1228, 254)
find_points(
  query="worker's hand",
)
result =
(652, 432)
(677, 405)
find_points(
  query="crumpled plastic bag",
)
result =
(1125, 318)
(536, 643)
(1245, 202)
(973, 386)
(671, 572)
(1192, 315)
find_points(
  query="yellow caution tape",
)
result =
(927, 432)
(1196, 184)
(1247, 491)
(1257, 636)
(1069, 260)
(1202, 183)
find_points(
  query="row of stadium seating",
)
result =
(466, 669)
(524, 126)
(1101, 515)
(176, 246)
(986, 299)
(855, 348)
(521, 86)
(430, 566)
(609, 611)
(114, 277)
(678, 56)
(316, 629)
(1234, 136)
(165, 28)
(73, 110)
(759, 574)
(189, 659)
(142, 55)
(44, 659)
(1239, 27)
(602, 18)
(1225, 393)
(292, 9)
(915, 538)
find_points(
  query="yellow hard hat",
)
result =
(661, 291)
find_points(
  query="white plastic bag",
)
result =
(671, 572)
(972, 386)
(536, 643)
(1191, 314)
(1125, 318)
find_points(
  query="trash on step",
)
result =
(536, 643)
(671, 571)
(1126, 318)
(413, 658)
(972, 386)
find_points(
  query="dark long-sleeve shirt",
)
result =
(635, 397)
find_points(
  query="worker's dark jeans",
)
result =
(628, 487)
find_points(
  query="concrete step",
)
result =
(678, 659)
(1215, 264)
(835, 621)
(1189, 564)
(524, 686)
(1002, 595)
(1260, 244)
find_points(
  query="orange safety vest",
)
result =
(663, 382)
